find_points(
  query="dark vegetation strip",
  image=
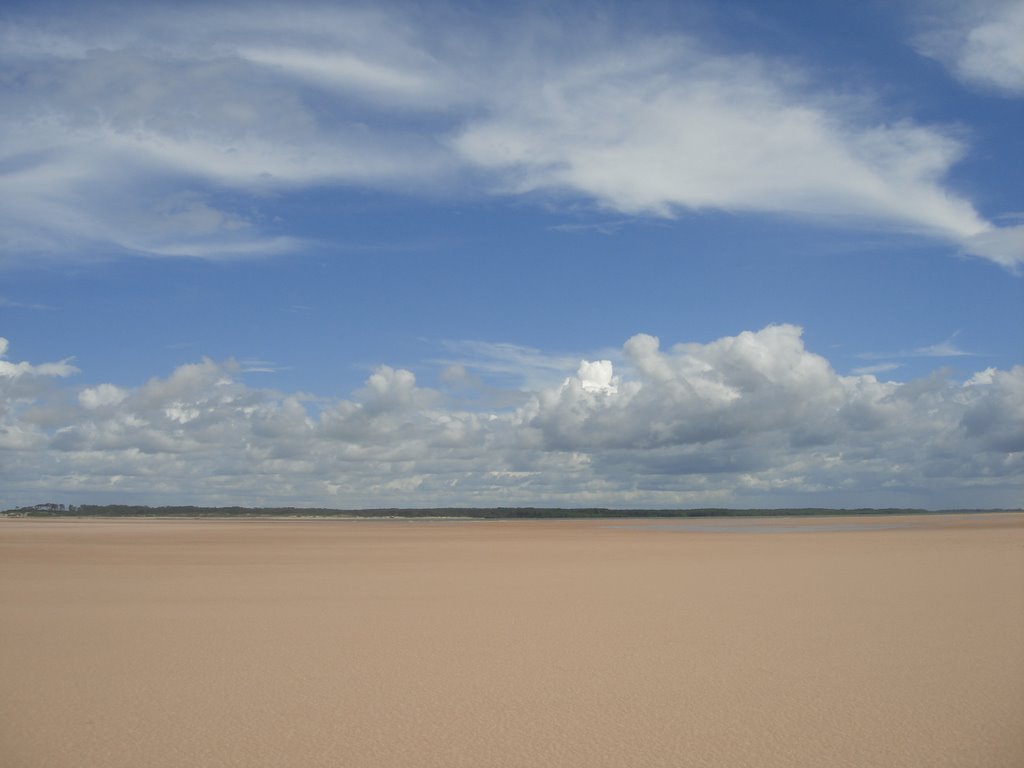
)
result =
(486, 513)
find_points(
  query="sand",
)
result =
(880, 642)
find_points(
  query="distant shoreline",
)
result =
(87, 511)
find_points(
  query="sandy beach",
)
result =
(895, 641)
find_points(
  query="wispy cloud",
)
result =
(657, 127)
(609, 227)
(260, 366)
(878, 368)
(942, 349)
(5, 302)
(981, 41)
(514, 364)
(169, 132)
(946, 348)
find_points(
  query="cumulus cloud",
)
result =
(598, 376)
(101, 396)
(981, 41)
(24, 388)
(754, 419)
(996, 417)
(698, 394)
(9, 370)
(168, 132)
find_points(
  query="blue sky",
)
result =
(644, 254)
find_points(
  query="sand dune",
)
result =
(584, 643)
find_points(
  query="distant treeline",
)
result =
(503, 513)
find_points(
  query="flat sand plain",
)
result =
(826, 642)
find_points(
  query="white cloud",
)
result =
(9, 370)
(143, 136)
(1003, 245)
(752, 419)
(598, 376)
(996, 417)
(981, 41)
(350, 73)
(658, 130)
(127, 138)
(697, 394)
(102, 396)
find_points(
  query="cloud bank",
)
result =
(754, 419)
(171, 131)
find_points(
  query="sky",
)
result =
(646, 254)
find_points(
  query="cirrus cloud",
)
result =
(171, 131)
(981, 41)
